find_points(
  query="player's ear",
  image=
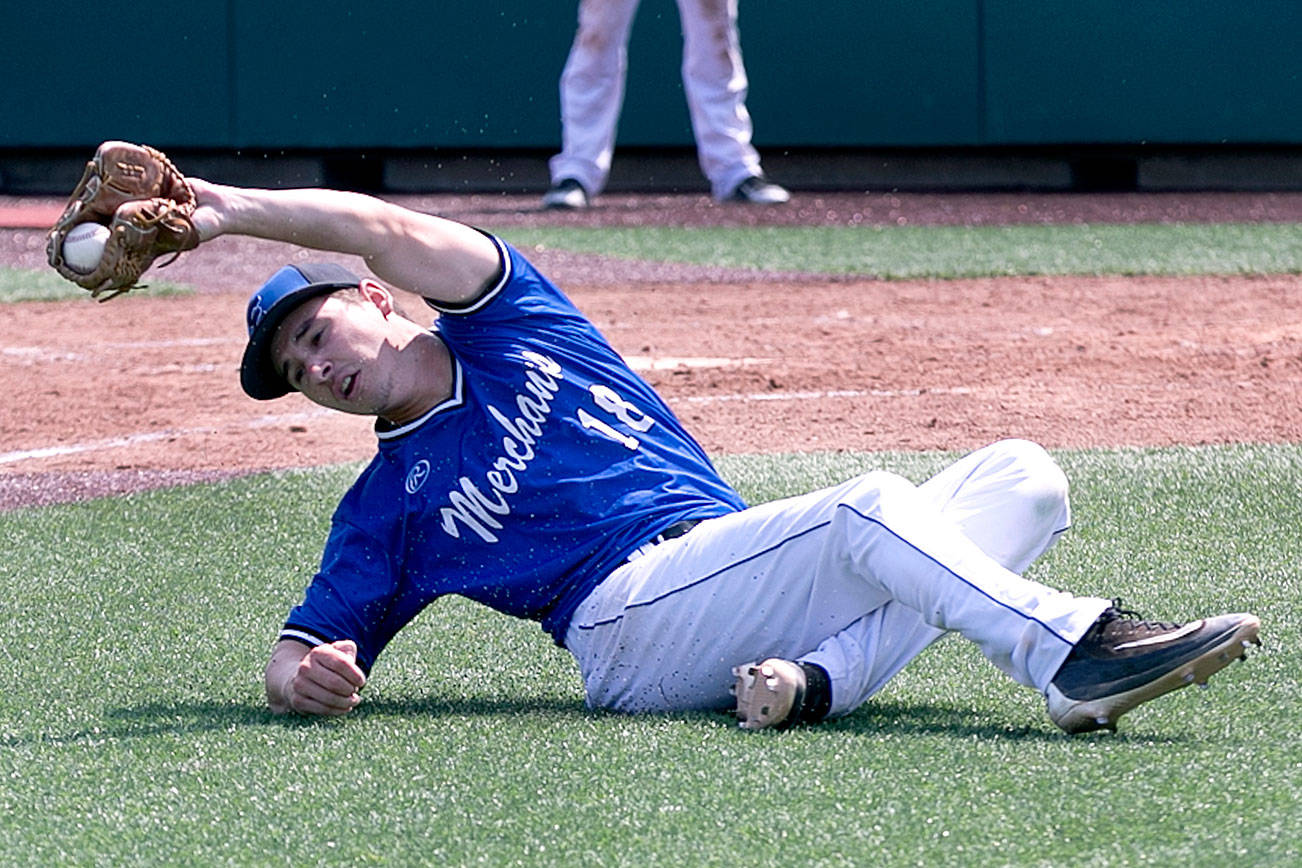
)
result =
(376, 295)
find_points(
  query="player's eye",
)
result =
(316, 338)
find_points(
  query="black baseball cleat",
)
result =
(758, 190)
(1123, 661)
(566, 195)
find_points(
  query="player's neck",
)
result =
(429, 379)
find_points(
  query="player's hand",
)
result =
(326, 681)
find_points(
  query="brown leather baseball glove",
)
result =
(145, 202)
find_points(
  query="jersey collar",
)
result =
(388, 431)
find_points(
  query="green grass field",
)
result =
(135, 629)
(952, 251)
(18, 284)
(885, 252)
(133, 728)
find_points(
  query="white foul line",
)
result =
(668, 363)
(269, 421)
(47, 354)
(152, 437)
(639, 363)
(815, 396)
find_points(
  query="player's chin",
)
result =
(355, 409)
(331, 401)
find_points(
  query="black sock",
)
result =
(817, 701)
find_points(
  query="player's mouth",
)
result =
(347, 385)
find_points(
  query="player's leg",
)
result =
(592, 92)
(1010, 499)
(714, 79)
(777, 580)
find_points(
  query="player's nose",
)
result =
(319, 370)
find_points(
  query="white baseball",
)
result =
(84, 245)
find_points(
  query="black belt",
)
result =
(675, 530)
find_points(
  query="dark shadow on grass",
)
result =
(158, 718)
(188, 718)
(904, 718)
(471, 706)
(874, 719)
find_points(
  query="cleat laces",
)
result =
(1117, 623)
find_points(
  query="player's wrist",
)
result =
(211, 207)
(280, 693)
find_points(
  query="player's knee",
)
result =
(1040, 482)
(872, 491)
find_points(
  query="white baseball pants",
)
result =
(858, 578)
(714, 79)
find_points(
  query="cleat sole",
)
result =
(767, 693)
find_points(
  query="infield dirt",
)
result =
(142, 391)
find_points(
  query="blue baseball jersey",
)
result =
(547, 466)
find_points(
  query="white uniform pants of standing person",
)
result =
(858, 578)
(592, 93)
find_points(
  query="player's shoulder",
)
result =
(520, 288)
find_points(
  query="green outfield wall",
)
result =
(465, 74)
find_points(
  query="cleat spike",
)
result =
(1188, 678)
(768, 693)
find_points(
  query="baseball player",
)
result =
(522, 464)
(714, 79)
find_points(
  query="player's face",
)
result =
(338, 350)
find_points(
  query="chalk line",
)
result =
(122, 442)
(154, 436)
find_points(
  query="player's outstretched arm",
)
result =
(437, 258)
(324, 680)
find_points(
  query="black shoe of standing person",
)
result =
(758, 190)
(567, 195)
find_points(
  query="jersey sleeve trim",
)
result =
(479, 302)
(298, 634)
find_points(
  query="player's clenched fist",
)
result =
(321, 680)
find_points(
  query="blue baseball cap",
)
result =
(287, 289)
